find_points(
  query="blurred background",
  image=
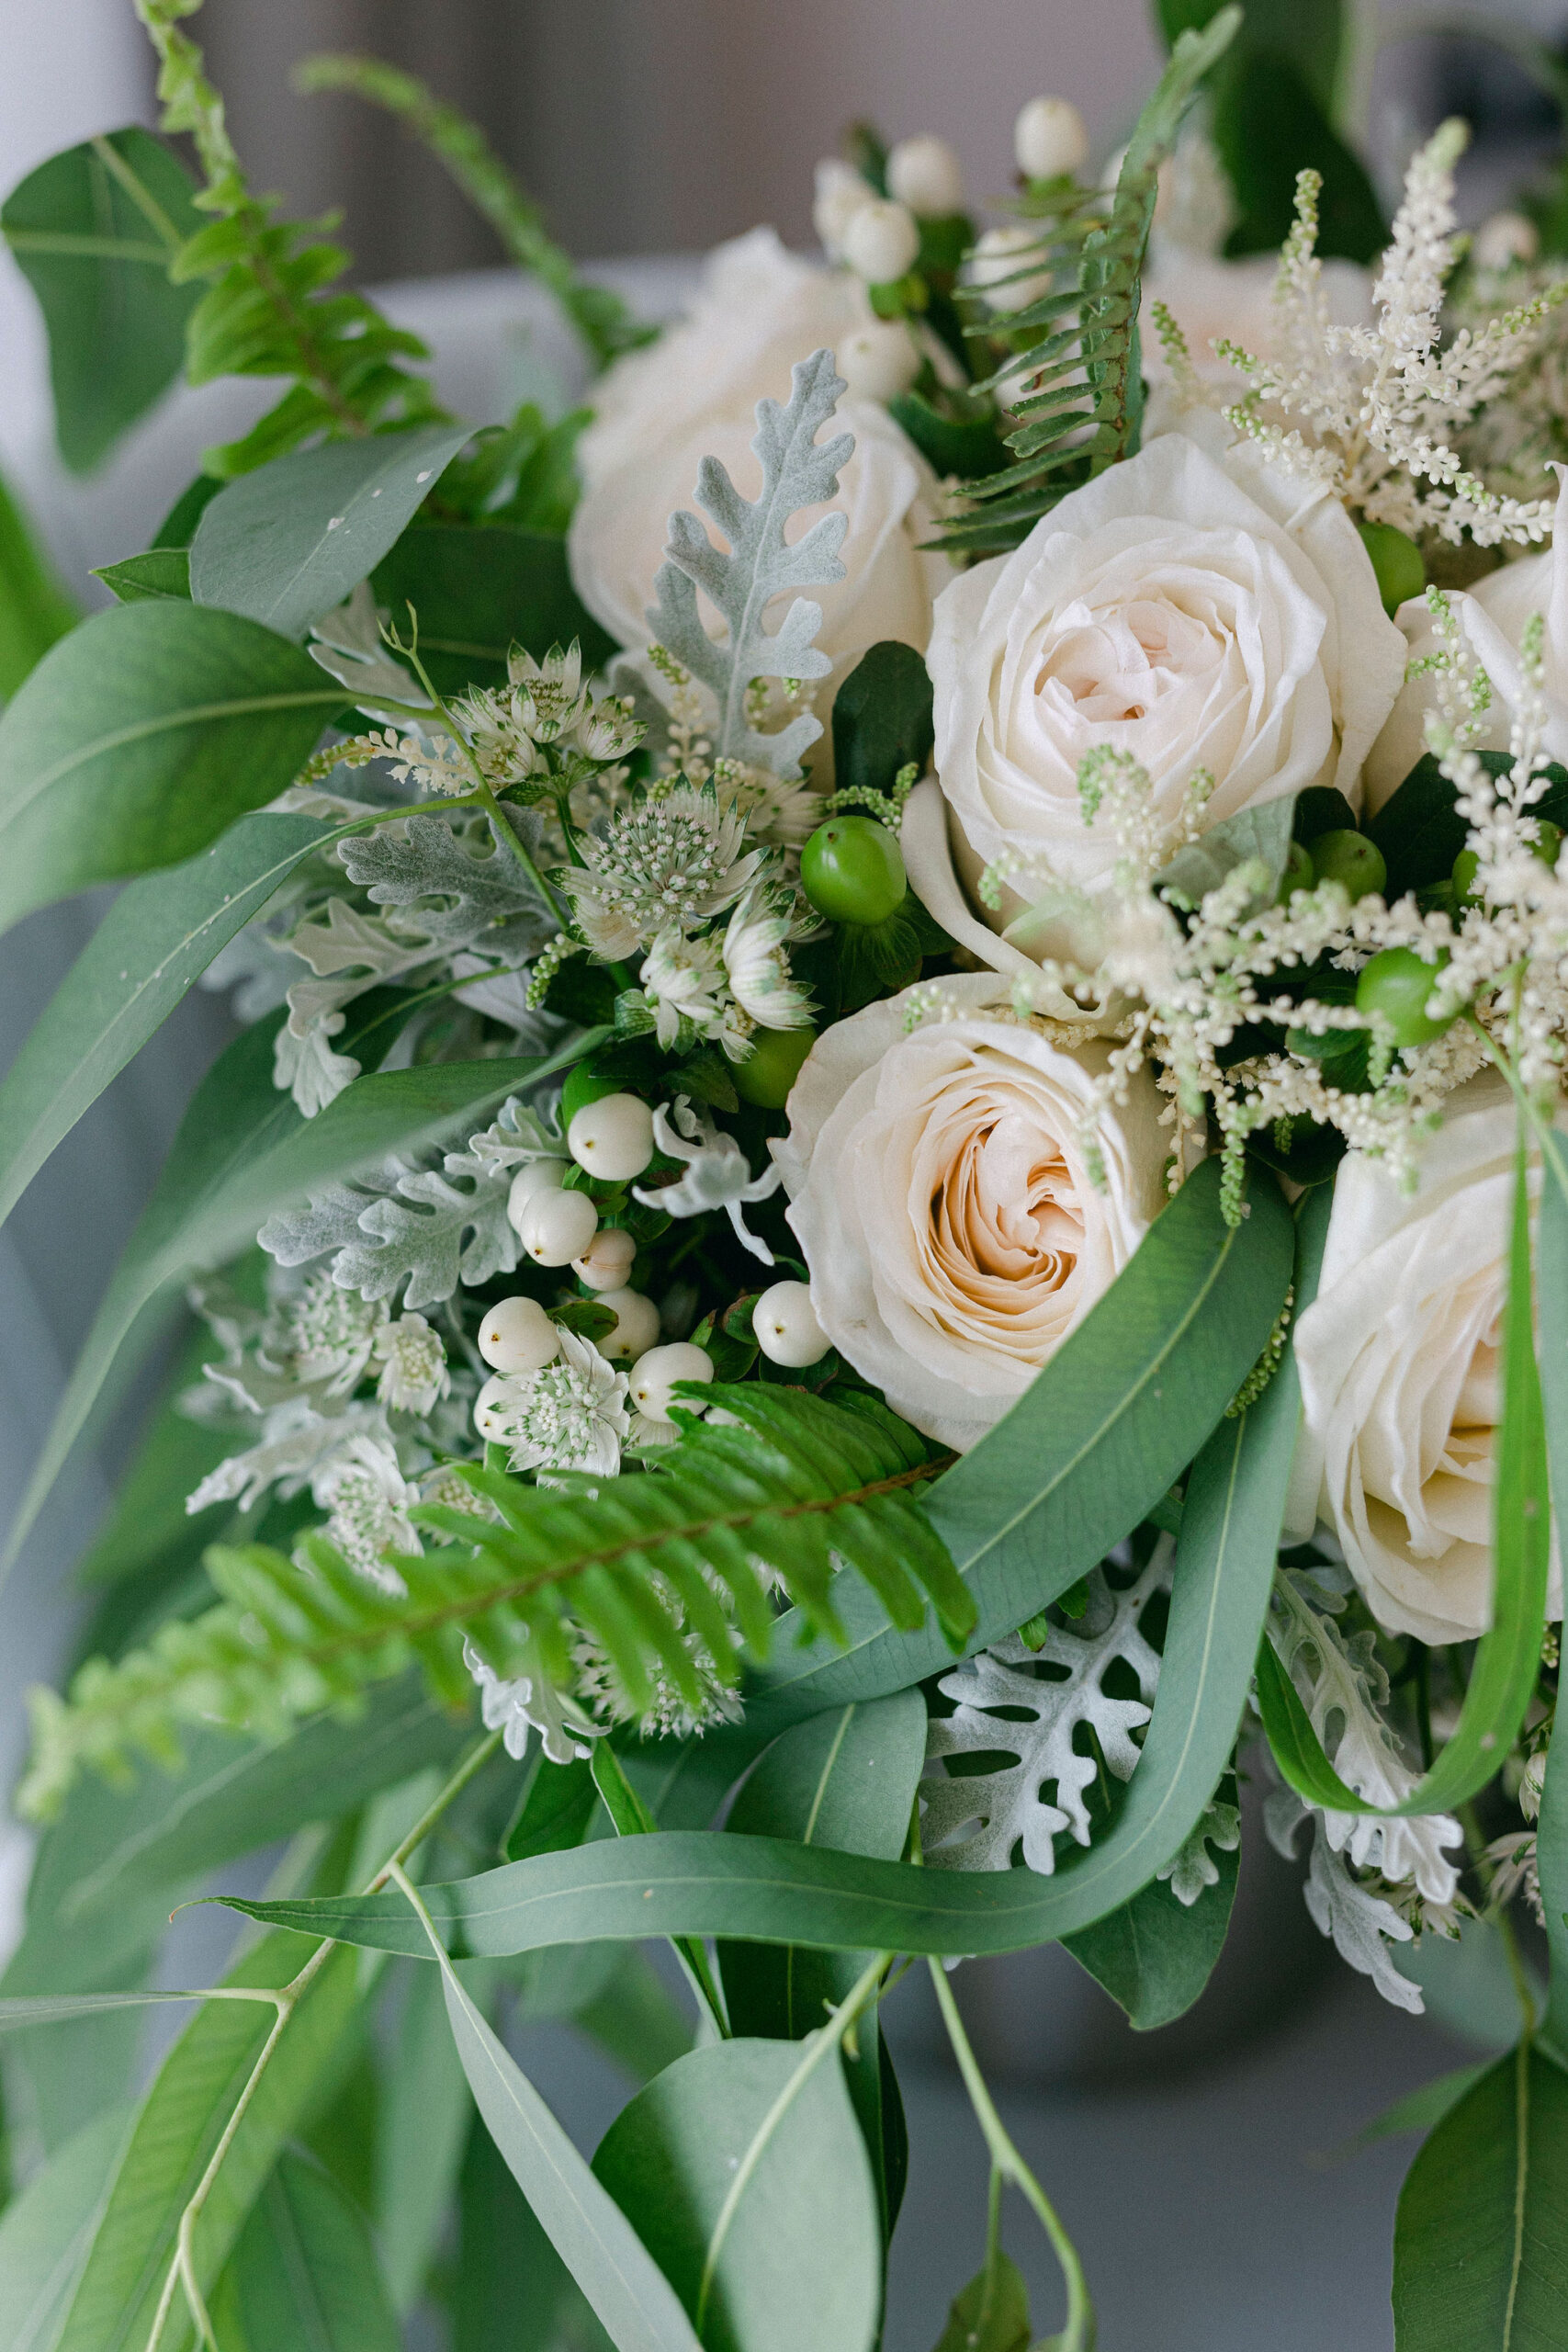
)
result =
(1207, 2172)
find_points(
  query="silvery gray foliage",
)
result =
(1360, 1923)
(422, 858)
(759, 566)
(413, 1225)
(998, 1808)
(1191, 1868)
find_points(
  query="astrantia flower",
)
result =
(368, 1498)
(413, 1365)
(670, 1716)
(677, 860)
(758, 967)
(685, 979)
(330, 1334)
(570, 1416)
(530, 1701)
(609, 729)
(549, 695)
(718, 1175)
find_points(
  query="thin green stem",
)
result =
(1079, 2334)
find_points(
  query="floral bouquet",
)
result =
(888, 1208)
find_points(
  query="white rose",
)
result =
(941, 1191)
(1492, 615)
(1400, 1376)
(1193, 607)
(694, 394)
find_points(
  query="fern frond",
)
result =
(1082, 407)
(794, 1485)
(600, 317)
(270, 309)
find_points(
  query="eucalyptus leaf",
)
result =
(46, 2231)
(1420, 2110)
(94, 229)
(286, 543)
(1481, 2242)
(1156, 1954)
(35, 610)
(157, 572)
(512, 2292)
(991, 2314)
(479, 590)
(243, 1151)
(744, 2174)
(160, 933)
(140, 738)
(304, 2272)
(1269, 124)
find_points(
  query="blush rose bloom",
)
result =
(694, 394)
(1400, 1374)
(943, 1198)
(1191, 606)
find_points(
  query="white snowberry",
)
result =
(488, 1417)
(556, 1228)
(926, 174)
(636, 1326)
(613, 1138)
(878, 362)
(995, 265)
(1503, 238)
(786, 1325)
(534, 1177)
(518, 1336)
(1049, 139)
(881, 240)
(607, 1260)
(655, 1374)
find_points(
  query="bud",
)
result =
(1049, 139)
(925, 174)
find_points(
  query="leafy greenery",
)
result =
(799, 1483)
(479, 592)
(35, 610)
(1082, 394)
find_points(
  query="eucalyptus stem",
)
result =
(1009, 2165)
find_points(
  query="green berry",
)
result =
(853, 871)
(1396, 562)
(1463, 881)
(771, 1066)
(1297, 876)
(1397, 983)
(584, 1085)
(1349, 859)
(1549, 841)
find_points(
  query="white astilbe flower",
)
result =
(1343, 1688)
(531, 1701)
(570, 1416)
(1385, 406)
(366, 1498)
(662, 868)
(1190, 1869)
(754, 958)
(718, 1175)
(1006, 1808)
(413, 1365)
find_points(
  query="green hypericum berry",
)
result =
(1398, 562)
(584, 1085)
(1547, 847)
(1397, 983)
(1550, 842)
(1349, 859)
(853, 871)
(771, 1066)
(1297, 876)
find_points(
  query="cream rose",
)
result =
(1493, 614)
(1191, 607)
(943, 1198)
(1400, 1376)
(694, 394)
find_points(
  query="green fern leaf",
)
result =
(792, 1485)
(1083, 406)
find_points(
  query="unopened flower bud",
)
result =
(1049, 139)
(607, 1260)
(556, 1228)
(518, 1336)
(881, 240)
(926, 174)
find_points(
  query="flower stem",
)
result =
(1009, 2165)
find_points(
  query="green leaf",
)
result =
(35, 610)
(94, 229)
(140, 738)
(635, 2019)
(1309, 33)
(243, 1151)
(45, 2233)
(1155, 1955)
(158, 936)
(159, 572)
(478, 591)
(1481, 2242)
(744, 2174)
(304, 2272)
(967, 445)
(1420, 832)
(882, 719)
(1420, 2110)
(1502, 1678)
(1551, 1829)
(1269, 125)
(512, 2292)
(626, 2288)
(66, 2008)
(557, 1803)
(1087, 1453)
(991, 2314)
(177, 2125)
(1261, 835)
(285, 544)
(1470, 1982)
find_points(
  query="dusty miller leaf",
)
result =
(1190, 1871)
(403, 865)
(1008, 1804)
(1358, 1924)
(759, 566)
